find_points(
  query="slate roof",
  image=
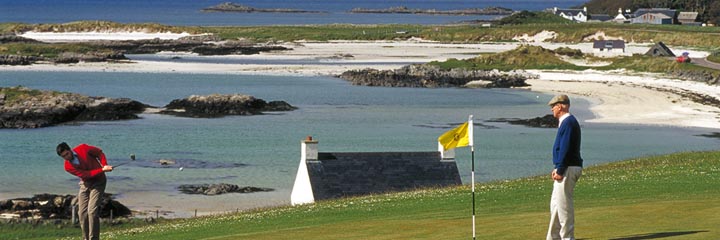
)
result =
(615, 43)
(660, 49)
(672, 13)
(687, 16)
(571, 12)
(343, 174)
(600, 17)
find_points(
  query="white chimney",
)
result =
(302, 192)
(585, 9)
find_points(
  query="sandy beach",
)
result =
(618, 97)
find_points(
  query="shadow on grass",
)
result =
(656, 235)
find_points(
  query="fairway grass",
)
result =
(674, 196)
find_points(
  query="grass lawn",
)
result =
(674, 196)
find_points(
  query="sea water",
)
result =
(187, 13)
(264, 150)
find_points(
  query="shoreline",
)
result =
(617, 97)
(645, 99)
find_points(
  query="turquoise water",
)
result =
(342, 117)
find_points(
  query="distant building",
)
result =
(688, 18)
(660, 50)
(330, 175)
(623, 16)
(609, 46)
(577, 15)
(655, 16)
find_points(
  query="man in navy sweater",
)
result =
(568, 169)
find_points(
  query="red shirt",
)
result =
(91, 160)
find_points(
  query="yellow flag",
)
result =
(458, 137)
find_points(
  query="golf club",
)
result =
(132, 158)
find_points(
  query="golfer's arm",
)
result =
(84, 174)
(97, 153)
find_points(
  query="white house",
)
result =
(578, 15)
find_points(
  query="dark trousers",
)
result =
(89, 198)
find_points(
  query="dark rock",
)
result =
(234, 7)
(230, 49)
(547, 121)
(11, 38)
(35, 109)
(221, 188)
(429, 76)
(104, 109)
(710, 135)
(17, 60)
(52, 206)
(217, 105)
(196, 44)
(71, 57)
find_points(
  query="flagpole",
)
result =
(472, 175)
(472, 150)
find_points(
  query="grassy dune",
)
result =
(670, 195)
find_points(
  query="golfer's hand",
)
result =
(557, 177)
(107, 168)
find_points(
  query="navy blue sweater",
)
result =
(566, 150)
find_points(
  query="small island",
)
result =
(219, 105)
(468, 11)
(431, 76)
(239, 8)
(21, 107)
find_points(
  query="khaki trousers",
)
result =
(562, 211)
(89, 198)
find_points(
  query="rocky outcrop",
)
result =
(9, 38)
(116, 50)
(220, 188)
(239, 8)
(547, 121)
(71, 57)
(705, 76)
(197, 45)
(21, 107)
(430, 76)
(52, 206)
(468, 11)
(17, 60)
(217, 105)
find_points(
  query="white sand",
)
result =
(95, 35)
(620, 97)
